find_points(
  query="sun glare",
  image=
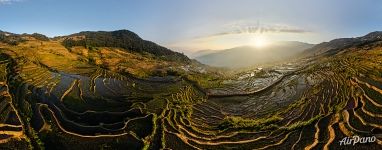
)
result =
(259, 41)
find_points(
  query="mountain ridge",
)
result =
(245, 56)
(125, 39)
(336, 45)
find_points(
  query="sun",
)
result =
(259, 41)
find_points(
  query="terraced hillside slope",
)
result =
(104, 97)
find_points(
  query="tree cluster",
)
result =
(40, 37)
(11, 39)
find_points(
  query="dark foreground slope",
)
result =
(58, 98)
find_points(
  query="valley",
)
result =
(92, 95)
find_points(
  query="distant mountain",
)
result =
(202, 53)
(10, 38)
(123, 39)
(336, 45)
(14, 39)
(247, 56)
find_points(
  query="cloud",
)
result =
(239, 33)
(238, 28)
(8, 1)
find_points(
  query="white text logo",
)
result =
(356, 139)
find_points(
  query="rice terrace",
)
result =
(116, 90)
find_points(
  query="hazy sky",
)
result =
(185, 25)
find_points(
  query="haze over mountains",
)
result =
(246, 56)
(202, 53)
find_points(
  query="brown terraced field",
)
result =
(50, 98)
